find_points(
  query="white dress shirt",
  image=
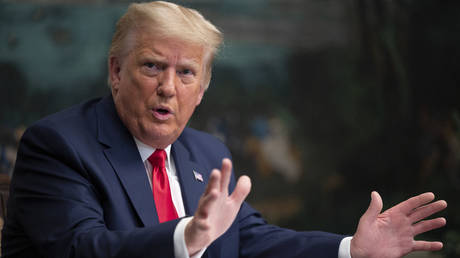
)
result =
(180, 249)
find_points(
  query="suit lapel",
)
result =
(191, 187)
(124, 157)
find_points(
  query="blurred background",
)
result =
(320, 101)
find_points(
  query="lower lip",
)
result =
(161, 116)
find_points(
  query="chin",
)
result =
(160, 138)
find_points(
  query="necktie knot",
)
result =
(157, 159)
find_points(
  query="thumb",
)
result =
(375, 207)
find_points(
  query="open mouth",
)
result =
(162, 113)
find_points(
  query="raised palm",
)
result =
(391, 234)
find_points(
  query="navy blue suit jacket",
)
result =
(80, 189)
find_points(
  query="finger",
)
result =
(226, 173)
(427, 225)
(206, 204)
(242, 189)
(214, 181)
(427, 210)
(409, 205)
(427, 246)
(210, 195)
(375, 207)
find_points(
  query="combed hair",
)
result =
(168, 20)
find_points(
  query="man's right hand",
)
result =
(216, 209)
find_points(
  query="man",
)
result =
(84, 177)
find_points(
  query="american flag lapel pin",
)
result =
(198, 176)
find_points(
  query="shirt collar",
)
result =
(145, 151)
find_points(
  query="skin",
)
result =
(156, 88)
(217, 209)
(393, 231)
(157, 74)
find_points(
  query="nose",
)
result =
(166, 83)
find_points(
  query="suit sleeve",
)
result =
(55, 208)
(259, 239)
(256, 239)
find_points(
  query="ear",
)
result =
(114, 72)
(200, 96)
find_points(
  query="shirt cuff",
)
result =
(344, 248)
(180, 249)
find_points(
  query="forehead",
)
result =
(145, 40)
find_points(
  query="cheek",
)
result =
(138, 87)
(192, 100)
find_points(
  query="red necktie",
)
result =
(160, 186)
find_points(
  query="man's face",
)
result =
(156, 87)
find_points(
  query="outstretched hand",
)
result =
(391, 234)
(216, 209)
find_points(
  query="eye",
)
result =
(151, 68)
(187, 72)
(151, 65)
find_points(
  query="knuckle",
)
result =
(214, 193)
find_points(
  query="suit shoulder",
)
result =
(203, 142)
(68, 115)
(193, 135)
(73, 123)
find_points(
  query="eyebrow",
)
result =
(188, 63)
(157, 57)
(152, 55)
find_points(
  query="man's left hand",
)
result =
(391, 234)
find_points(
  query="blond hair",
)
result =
(168, 20)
